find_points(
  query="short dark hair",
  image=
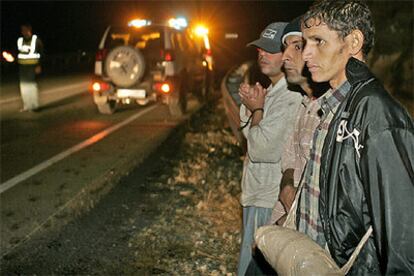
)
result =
(27, 25)
(343, 16)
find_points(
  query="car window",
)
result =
(173, 39)
(118, 39)
(180, 41)
(192, 44)
(144, 38)
(148, 40)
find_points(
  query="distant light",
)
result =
(205, 63)
(138, 23)
(177, 23)
(201, 30)
(7, 56)
(231, 36)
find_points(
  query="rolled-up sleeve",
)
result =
(244, 118)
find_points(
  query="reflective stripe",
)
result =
(28, 52)
(20, 43)
(28, 56)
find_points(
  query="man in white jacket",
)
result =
(267, 118)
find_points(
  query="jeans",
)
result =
(253, 218)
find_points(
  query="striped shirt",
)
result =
(308, 209)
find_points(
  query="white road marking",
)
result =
(88, 142)
(82, 85)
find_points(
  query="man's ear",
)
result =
(356, 42)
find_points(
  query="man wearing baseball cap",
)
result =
(267, 117)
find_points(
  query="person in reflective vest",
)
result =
(30, 50)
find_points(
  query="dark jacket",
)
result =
(372, 184)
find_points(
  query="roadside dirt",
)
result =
(176, 214)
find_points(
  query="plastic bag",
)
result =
(290, 252)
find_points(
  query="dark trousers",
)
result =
(259, 266)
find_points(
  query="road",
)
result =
(57, 163)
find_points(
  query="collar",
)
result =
(357, 71)
(333, 98)
(272, 89)
(306, 100)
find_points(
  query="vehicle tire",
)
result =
(143, 102)
(125, 66)
(177, 101)
(107, 108)
(206, 87)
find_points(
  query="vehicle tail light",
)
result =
(208, 52)
(167, 55)
(101, 54)
(163, 87)
(99, 86)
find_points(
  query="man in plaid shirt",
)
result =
(297, 150)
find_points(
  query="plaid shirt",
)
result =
(309, 219)
(297, 149)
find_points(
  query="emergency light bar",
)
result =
(138, 23)
(178, 23)
(200, 30)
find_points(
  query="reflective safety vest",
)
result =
(27, 52)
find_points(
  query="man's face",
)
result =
(270, 64)
(325, 54)
(26, 32)
(293, 63)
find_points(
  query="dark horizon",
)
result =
(66, 26)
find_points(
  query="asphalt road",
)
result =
(57, 163)
(177, 213)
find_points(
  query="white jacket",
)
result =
(265, 145)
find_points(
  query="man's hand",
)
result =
(287, 196)
(282, 220)
(252, 97)
(38, 69)
(287, 189)
(246, 90)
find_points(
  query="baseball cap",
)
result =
(270, 38)
(292, 28)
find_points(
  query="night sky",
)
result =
(66, 26)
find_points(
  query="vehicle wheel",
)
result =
(107, 108)
(177, 102)
(206, 88)
(125, 65)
